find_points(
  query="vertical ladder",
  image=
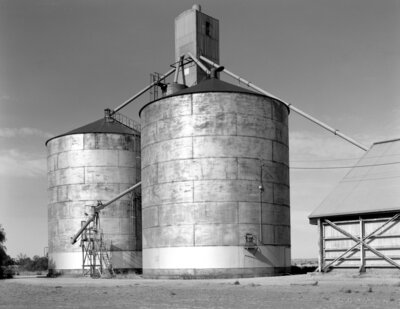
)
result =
(105, 258)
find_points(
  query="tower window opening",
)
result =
(208, 28)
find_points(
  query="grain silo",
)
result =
(94, 162)
(358, 222)
(214, 162)
(215, 184)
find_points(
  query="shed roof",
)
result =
(102, 125)
(371, 186)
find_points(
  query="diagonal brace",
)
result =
(368, 237)
(361, 241)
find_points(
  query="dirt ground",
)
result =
(300, 291)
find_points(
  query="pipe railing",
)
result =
(289, 105)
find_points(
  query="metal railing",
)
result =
(124, 120)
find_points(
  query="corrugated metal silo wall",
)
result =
(85, 168)
(202, 159)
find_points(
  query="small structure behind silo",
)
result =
(94, 162)
(364, 205)
(215, 184)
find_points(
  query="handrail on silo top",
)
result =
(124, 120)
(289, 105)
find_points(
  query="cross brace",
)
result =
(362, 241)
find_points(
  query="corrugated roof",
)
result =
(100, 126)
(372, 186)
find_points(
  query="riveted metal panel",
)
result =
(212, 173)
(82, 170)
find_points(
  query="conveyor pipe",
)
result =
(142, 91)
(289, 105)
(202, 66)
(98, 208)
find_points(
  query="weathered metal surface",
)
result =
(85, 168)
(203, 156)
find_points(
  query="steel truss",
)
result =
(362, 243)
(96, 255)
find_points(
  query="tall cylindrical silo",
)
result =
(215, 184)
(92, 163)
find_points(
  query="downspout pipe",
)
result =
(142, 91)
(198, 62)
(98, 208)
(289, 105)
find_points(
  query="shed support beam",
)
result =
(320, 246)
(362, 251)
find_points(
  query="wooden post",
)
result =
(320, 246)
(362, 250)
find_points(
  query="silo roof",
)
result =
(212, 85)
(372, 186)
(215, 85)
(101, 126)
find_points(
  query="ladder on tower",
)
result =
(105, 258)
(96, 255)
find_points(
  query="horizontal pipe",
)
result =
(100, 207)
(290, 106)
(202, 66)
(143, 91)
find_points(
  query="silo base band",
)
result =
(215, 262)
(71, 262)
(214, 273)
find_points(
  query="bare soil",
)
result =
(300, 291)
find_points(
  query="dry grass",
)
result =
(273, 292)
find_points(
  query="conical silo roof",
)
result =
(103, 125)
(215, 85)
(371, 186)
(211, 85)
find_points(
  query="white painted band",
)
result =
(215, 257)
(73, 260)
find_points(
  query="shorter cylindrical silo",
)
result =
(215, 184)
(89, 164)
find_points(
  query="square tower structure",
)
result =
(197, 33)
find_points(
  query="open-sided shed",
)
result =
(358, 223)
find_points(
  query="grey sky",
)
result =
(63, 61)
